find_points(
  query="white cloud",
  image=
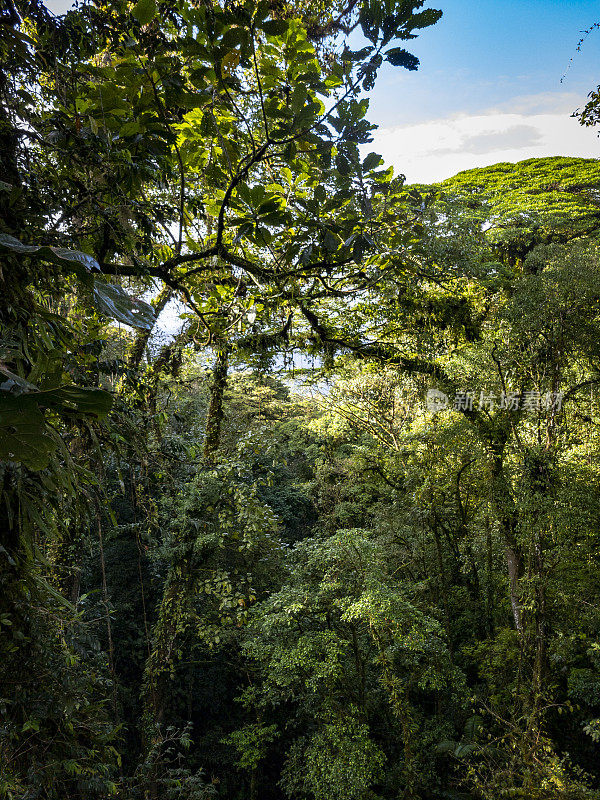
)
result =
(59, 6)
(435, 150)
(541, 103)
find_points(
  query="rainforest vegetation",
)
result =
(336, 535)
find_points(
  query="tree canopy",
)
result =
(334, 537)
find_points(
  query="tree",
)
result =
(197, 152)
(538, 201)
(509, 340)
(201, 151)
(329, 647)
(589, 115)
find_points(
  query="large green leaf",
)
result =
(372, 161)
(472, 727)
(13, 381)
(75, 400)
(112, 301)
(24, 435)
(74, 259)
(144, 11)
(110, 298)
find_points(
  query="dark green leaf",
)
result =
(275, 27)
(24, 436)
(75, 399)
(330, 242)
(426, 18)
(400, 57)
(342, 165)
(144, 11)
(372, 161)
(112, 301)
(73, 259)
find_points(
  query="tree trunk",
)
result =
(490, 578)
(180, 586)
(215, 408)
(506, 511)
(141, 340)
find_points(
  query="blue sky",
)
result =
(489, 87)
(482, 53)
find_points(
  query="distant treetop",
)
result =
(533, 201)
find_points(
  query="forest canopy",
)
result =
(335, 537)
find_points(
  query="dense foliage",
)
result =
(336, 536)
